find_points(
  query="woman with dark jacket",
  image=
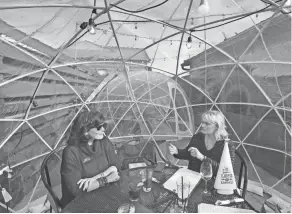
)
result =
(89, 161)
(206, 145)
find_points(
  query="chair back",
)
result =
(241, 173)
(136, 151)
(139, 150)
(50, 174)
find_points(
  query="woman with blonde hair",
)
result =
(206, 145)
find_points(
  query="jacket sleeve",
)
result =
(112, 156)
(71, 170)
(184, 153)
(215, 163)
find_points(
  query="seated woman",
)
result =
(89, 161)
(207, 144)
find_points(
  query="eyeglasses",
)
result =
(100, 126)
(97, 125)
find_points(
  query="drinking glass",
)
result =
(206, 173)
(148, 182)
(134, 191)
(183, 191)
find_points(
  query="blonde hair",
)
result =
(218, 118)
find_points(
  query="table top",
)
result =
(108, 199)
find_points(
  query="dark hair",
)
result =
(83, 123)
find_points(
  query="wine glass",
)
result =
(206, 173)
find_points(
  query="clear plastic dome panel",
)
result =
(137, 67)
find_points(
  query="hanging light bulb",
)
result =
(288, 3)
(92, 30)
(135, 38)
(224, 35)
(136, 27)
(91, 27)
(200, 44)
(192, 23)
(204, 7)
(189, 42)
(170, 42)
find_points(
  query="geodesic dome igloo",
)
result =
(152, 68)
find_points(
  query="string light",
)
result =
(90, 27)
(225, 37)
(204, 7)
(189, 42)
(192, 23)
(288, 3)
(83, 25)
(138, 37)
(35, 104)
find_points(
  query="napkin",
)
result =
(188, 175)
(209, 208)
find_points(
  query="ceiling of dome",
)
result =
(239, 59)
(56, 25)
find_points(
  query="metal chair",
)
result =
(49, 168)
(241, 169)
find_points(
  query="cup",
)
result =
(148, 183)
(183, 192)
(134, 191)
(143, 174)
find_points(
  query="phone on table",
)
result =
(159, 167)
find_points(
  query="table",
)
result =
(108, 199)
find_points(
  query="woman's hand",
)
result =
(113, 177)
(85, 182)
(196, 153)
(172, 149)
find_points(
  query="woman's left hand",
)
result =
(86, 182)
(196, 153)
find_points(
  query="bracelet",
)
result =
(102, 181)
(105, 181)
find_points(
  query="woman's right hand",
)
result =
(173, 150)
(113, 177)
